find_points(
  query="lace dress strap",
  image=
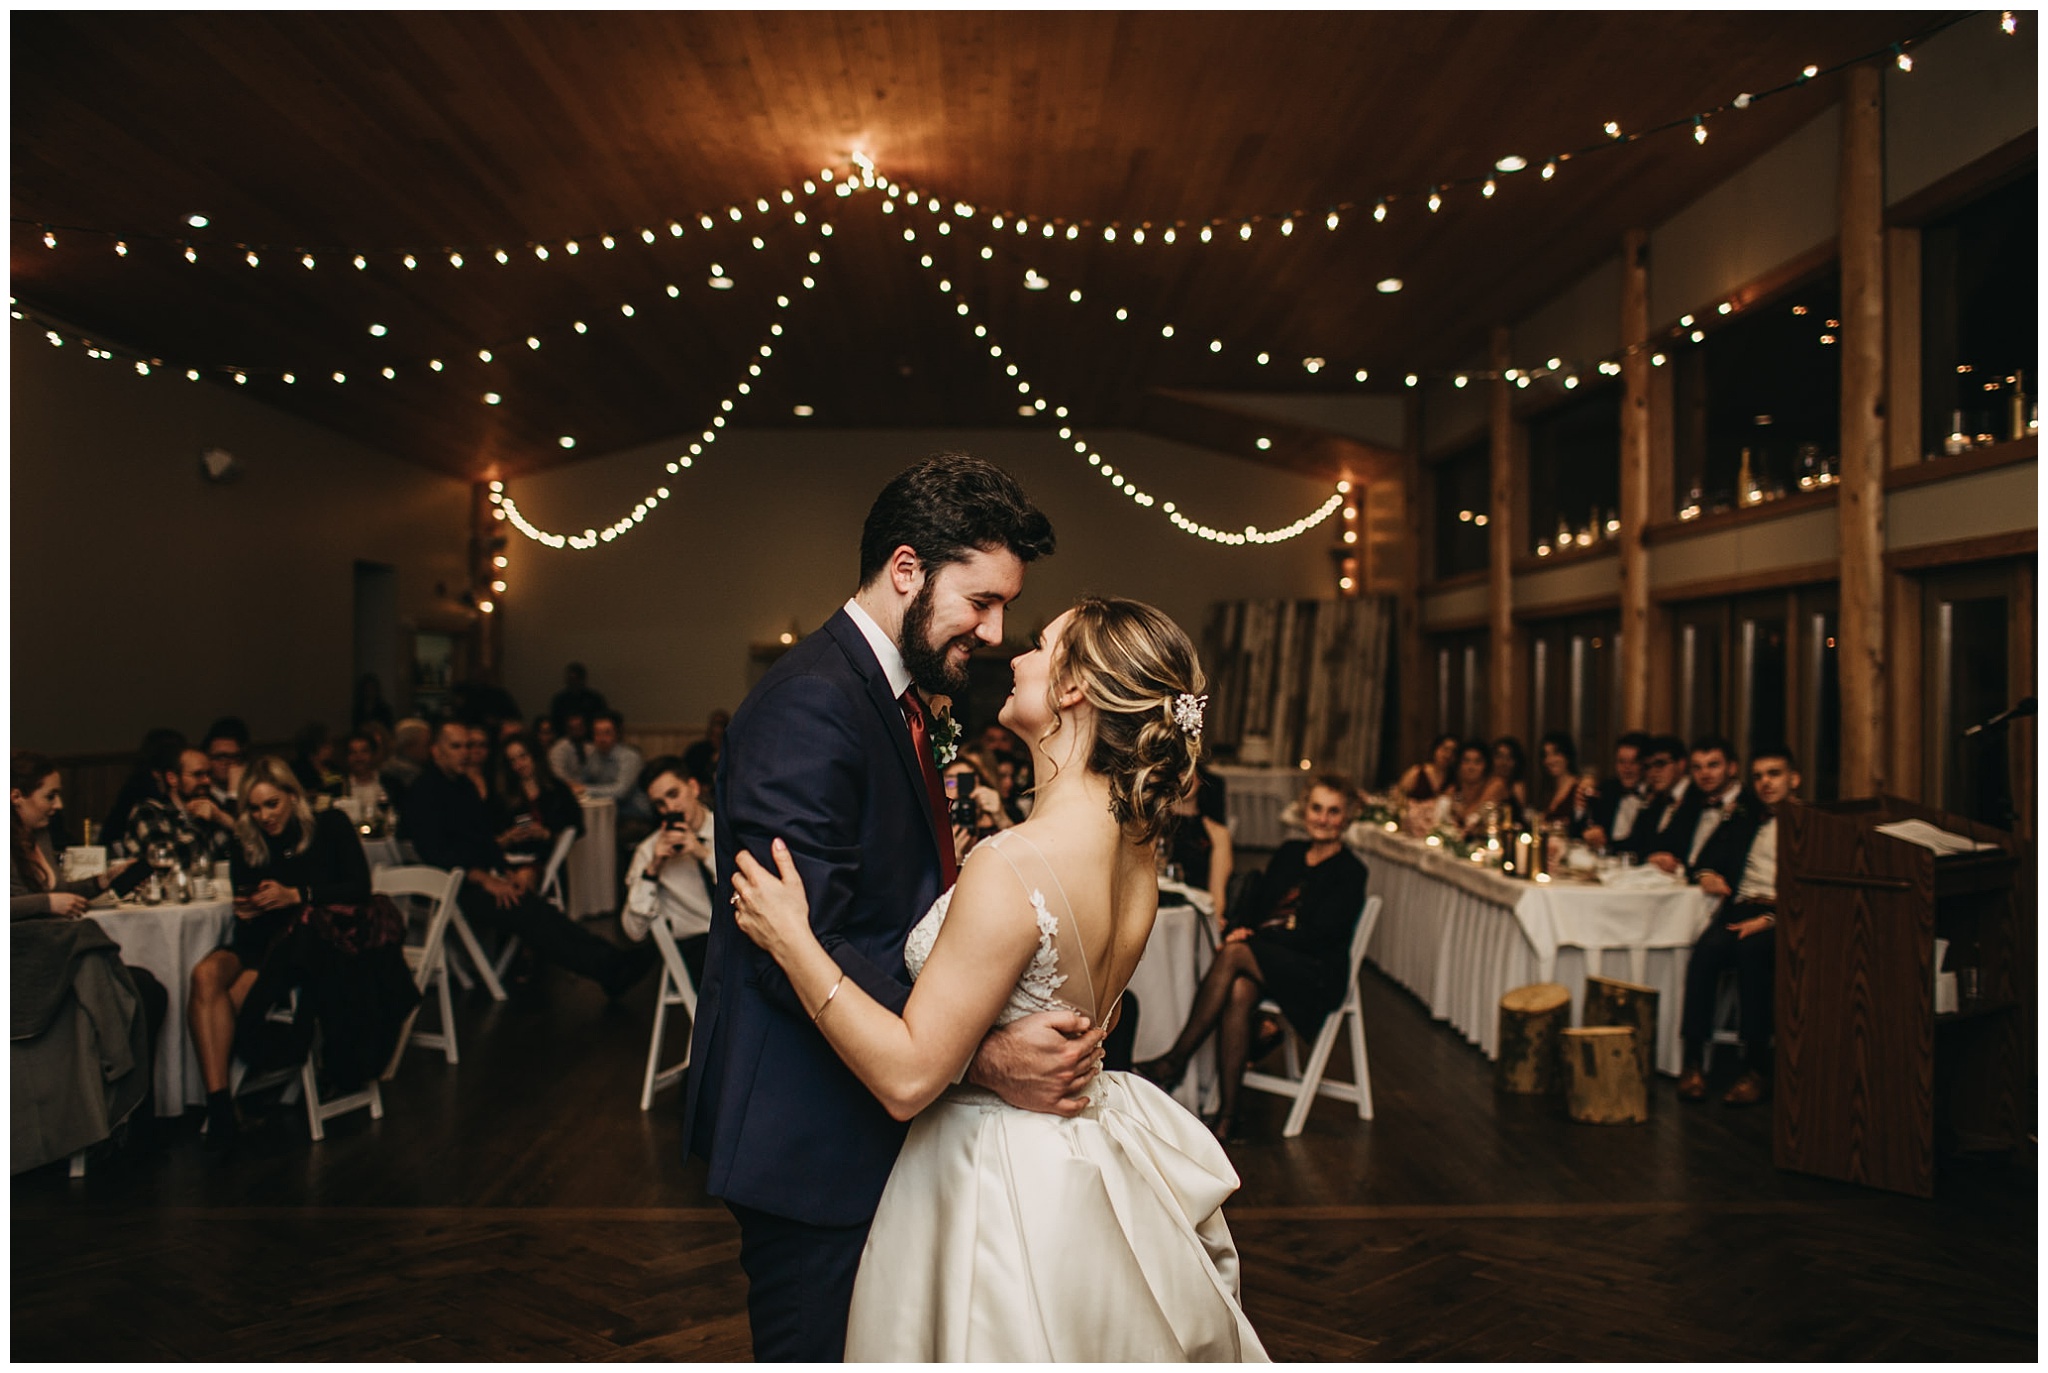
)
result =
(1060, 940)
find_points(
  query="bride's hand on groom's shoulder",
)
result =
(771, 907)
(1044, 1062)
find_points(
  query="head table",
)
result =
(1164, 983)
(169, 941)
(1459, 934)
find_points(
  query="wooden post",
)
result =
(1634, 698)
(1504, 664)
(1602, 1086)
(1609, 1002)
(1531, 1020)
(1902, 319)
(1860, 507)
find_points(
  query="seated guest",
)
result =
(226, 745)
(287, 859)
(476, 757)
(575, 698)
(1288, 938)
(362, 786)
(565, 755)
(313, 761)
(1509, 765)
(1664, 777)
(1013, 784)
(529, 807)
(1558, 790)
(141, 782)
(672, 876)
(450, 827)
(1200, 838)
(1713, 784)
(543, 733)
(969, 778)
(1739, 865)
(1612, 806)
(1431, 777)
(180, 813)
(1474, 788)
(410, 739)
(610, 767)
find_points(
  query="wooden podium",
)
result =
(1869, 1078)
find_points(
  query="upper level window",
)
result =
(1758, 403)
(1575, 473)
(1978, 309)
(1462, 481)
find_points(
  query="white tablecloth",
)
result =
(1255, 797)
(594, 861)
(1175, 958)
(1460, 936)
(169, 941)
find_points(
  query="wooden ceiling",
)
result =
(380, 133)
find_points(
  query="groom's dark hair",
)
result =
(947, 505)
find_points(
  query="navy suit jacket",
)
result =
(819, 756)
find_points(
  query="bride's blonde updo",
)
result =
(1134, 666)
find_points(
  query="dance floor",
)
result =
(520, 1206)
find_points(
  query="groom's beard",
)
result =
(930, 667)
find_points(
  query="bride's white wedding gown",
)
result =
(1014, 1236)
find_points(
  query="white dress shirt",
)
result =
(886, 652)
(1760, 874)
(1625, 812)
(680, 897)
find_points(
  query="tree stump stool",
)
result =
(1602, 1083)
(1612, 1002)
(1531, 1019)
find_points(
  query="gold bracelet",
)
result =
(827, 1003)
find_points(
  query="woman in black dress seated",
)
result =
(1433, 776)
(1200, 838)
(288, 859)
(1288, 939)
(529, 808)
(1559, 787)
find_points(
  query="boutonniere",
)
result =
(945, 731)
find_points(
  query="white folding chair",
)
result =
(677, 989)
(550, 889)
(307, 1087)
(1304, 1085)
(428, 959)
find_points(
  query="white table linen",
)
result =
(1175, 958)
(1460, 935)
(169, 941)
(594, 860)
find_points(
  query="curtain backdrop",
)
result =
(1290, 680)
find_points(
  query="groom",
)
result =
(834, 752)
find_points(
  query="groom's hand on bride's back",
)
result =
(1043, 1062)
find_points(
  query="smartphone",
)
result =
(965, 813)
(129, 878)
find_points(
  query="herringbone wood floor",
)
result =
(520, 1206)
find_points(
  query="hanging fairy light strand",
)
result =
(792, 204)
(1297, 222)
(1121, 482)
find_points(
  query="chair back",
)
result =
(1362, 936)
(672, 960)
(551, 875)
(431, 884)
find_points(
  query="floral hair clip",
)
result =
(1187, 712)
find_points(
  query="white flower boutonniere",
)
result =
(945, 731)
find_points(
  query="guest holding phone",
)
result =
(529, 808)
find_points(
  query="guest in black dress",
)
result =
(1200, 842)
(530, 808)
(1431, 777)
(288, 859)
(1289, 938)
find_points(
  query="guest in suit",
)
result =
(1714, 781)
(450, 827)
(1613, 806)
(1664, 773)
(835, 752)
(1288, 938)
(1740, 865)
(226, 745)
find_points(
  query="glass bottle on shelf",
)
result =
(1746, 492)
(1957, 441)
(2018, 426)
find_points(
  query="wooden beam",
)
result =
(1742, 583)
(1902, 352)
(1505, 666)
(1634, 701)
(1860, 509)
(1981, 548)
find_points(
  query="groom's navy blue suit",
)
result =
(819, 756)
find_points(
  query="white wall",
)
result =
(1972, 89)
(143, 595)
(1581, 325)
(763, 536)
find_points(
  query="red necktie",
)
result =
(935, 792)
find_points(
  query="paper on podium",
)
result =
(1932, 837)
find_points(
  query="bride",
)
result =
(1003, 1234)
